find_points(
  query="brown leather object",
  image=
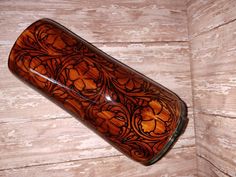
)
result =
(136, 115)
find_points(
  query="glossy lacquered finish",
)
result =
(136, 115)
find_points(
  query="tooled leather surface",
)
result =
(130, 111)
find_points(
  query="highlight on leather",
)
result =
(136, 115)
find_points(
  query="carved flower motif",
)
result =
(109, 122)
(38, 72)
(84, 76)
(155, 118)
(55, 41)
(128, 80)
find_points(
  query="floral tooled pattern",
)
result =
(54, 41)
(110, 119)
(109, 122)
(155, 118)
(128, 81)
(83, 76)
(131, 112)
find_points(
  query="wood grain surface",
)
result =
(212, 29)
(118, 166)
(101, 21)
(39, 139)
(208, 15)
